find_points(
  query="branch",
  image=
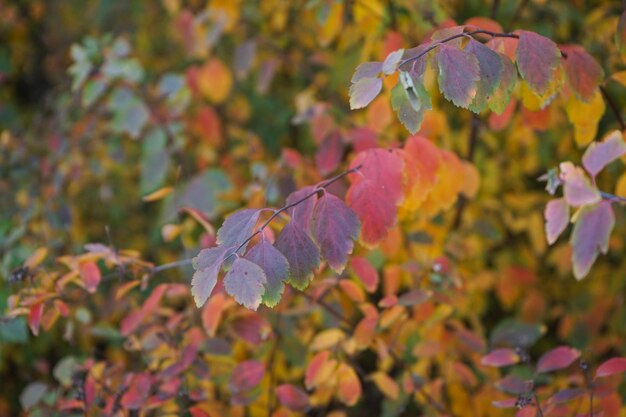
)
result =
(613, 106)
(612, 197)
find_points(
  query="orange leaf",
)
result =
(349, 387)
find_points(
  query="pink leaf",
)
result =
(366, 272)
(557, 358)
(500, 357)
(245, 282)
(328, 156)
(137, 392)
(364, 91)
(583, 71)
(302, 212)
(591, 236)
(276, 269)
(237, 227)
(246, 375)
(611, 367)
(90, 274)
(557, 218)
(458, 75)
(537, 59)
(375, 210)
(599, 154)
(301, 252)
(34, 317)
(292, 397)
(334, 226)
(577, 188)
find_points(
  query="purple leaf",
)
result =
(276, 269)
(514, 385)
(557, 358)
(591, 236)
(537, 60)
(458, 75)
(566, 395)
(391, 62)
(364, 91)
(207, 265)
(301, 252)
(490, 67)
(302, 212)
(237, 227)
(611, 367)
(599, 154)
(245, 282)
(557, 218)
(246, 376)
(367, 70)
(334, 226)
(577, 188)
(500, 357)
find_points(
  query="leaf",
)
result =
(375, 210)
(301, 213)
(246, 376)
(490, 68)
(384, 167)
(301, 252)
(334, 226)
(556, 215)
(90, 274)
(458, 75)
(557, 358)
(292, 397)
(329, 155)
(585, 117)
(367, 70)
(500, 357)
(213, 311)
(237, 227)
(32, 394)
(214, 80)
(577, 188)
(34, 317)
(245, 281)
(537, 60)
(591, 236)
(348, 385)
(390, 65)
(319, 370)
(611, 367)
(364, 91)
(207, 265)
(502, 94)
(599, 154)
(409, 99)
(566, 395)
(327, 339)
(36, 258)
(366, 273)
(583, 71)
(139, 389)
(386, 385)
(512, 384)
(275, 267)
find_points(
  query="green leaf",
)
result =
(490, 69)
(409, 99)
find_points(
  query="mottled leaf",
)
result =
(409, 99)
(500, 357)
(367, 70)
(334, 226)
(319, 369)
(245, 282)
(556, 215)
(207, 264)
(138, 391)
(591, 236)
(577, 188)
(301, 252)
(557, 358)
(246, 375)
(502, 95)
(292, 397)
(611, 367)
(458, 75)
(276, 269)
(364, 91)
(237, 227)
(599, 154)
(583, 71)
(490, 68)
(537, 59)
(348, 385)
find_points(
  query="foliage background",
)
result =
(227, 133)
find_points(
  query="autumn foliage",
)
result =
(325, 208)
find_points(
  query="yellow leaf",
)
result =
(36, 258)
(333, 24)
(215, 80)
(386, 385)
(620, 77)
(585, 117)
(349, 386)
(157, 195)
(327, 339)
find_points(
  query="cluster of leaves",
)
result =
(429, 252)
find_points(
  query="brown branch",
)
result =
(613, 107)
(471, 148)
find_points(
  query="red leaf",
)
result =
(90, 274)
(537, 59)
(557, 218)
(328, 156)
(583, 72)
(611, 367)
(334, 226)
(301, 252)
(292, 397)
(591, 236)
(246, 375)
(138, 391)
(366, 272)
(500, 357)
(458, 75)
(384, 167)
(245, 282)
(557, 358)
(375, 210)
(34, 317)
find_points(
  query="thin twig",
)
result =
(612, 197)
(539, 410)
(471, 147)
(518, 12)
(494, 8)
(613, 106)
(171, 265)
